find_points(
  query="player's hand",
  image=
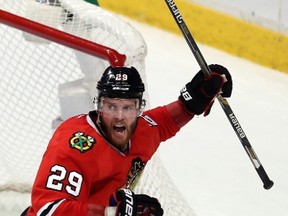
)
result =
(199, 94)
(136, 204)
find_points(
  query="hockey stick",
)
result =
(223, 102)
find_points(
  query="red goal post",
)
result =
(41, 81)
(63, 38)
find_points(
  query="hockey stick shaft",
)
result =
(223, 102)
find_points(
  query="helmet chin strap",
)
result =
(99, 124)
(142, 106)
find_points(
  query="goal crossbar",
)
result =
(63, 38)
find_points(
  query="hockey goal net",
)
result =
(42, 83)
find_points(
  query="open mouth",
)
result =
(119, 129)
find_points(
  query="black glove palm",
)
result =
(199, 94)
(137, 204)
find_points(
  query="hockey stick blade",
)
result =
(267, 183)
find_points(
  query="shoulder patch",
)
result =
(81, 142)
(150, 121)
(135, 172)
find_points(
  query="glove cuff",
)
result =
(193, 107)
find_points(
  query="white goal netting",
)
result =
(43, 83)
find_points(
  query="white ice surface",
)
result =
(206, 159)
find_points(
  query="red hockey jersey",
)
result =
(80, 167)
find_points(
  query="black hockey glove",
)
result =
(136, 204)
(199, 94)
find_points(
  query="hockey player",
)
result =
(93, 161)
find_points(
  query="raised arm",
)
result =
(198, 95)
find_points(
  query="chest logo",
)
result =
(81, 142)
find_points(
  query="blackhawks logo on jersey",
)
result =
(81, 142)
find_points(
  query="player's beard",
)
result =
(118, 133)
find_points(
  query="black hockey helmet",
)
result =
(121, 82)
